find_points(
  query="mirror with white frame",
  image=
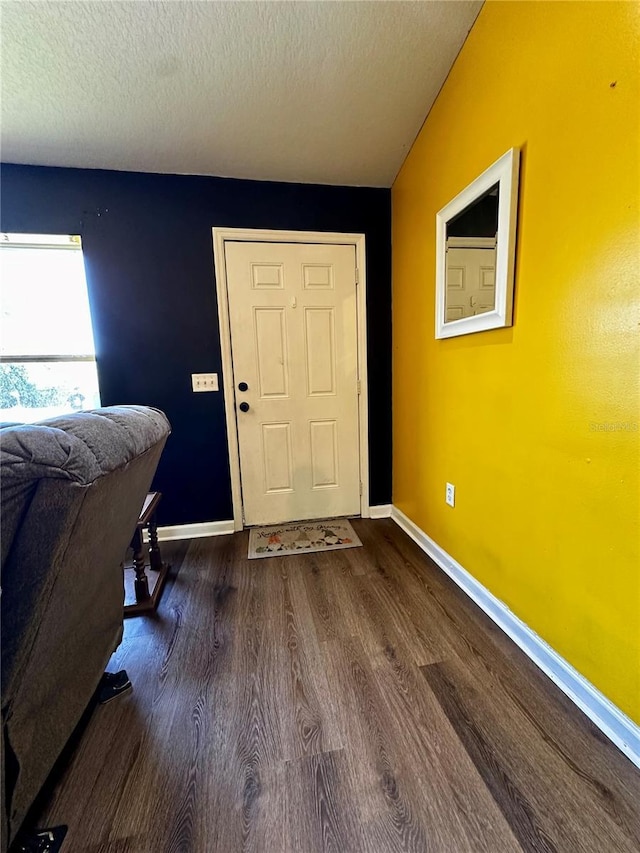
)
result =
(475, 252)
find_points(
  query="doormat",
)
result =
(303, 536)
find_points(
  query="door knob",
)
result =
(244, 407)
(242, 386)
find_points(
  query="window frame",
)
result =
(68, 243)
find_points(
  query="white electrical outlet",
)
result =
(204, 381)
(450, 494)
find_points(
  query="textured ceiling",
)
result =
(323, 92)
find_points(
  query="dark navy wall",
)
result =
(149, 258)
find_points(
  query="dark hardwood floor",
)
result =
(350, 701)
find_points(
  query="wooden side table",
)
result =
(147, 597)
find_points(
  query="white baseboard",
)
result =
(619, 728)
(380, 511)
(193, 531)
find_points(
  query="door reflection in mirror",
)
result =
(471, 258)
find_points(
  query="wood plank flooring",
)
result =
(349, 701)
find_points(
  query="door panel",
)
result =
(276, 454)
(320, 350)
(292, 310)
(324, 454)
(270, 346)
(471, 276)
(267, 276)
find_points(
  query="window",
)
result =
(47, 354)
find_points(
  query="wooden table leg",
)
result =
(155, 559)
(146, 598)
(141, 583)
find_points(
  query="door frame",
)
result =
(260, 235)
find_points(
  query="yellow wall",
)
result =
(547, 508)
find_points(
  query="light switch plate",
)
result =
(204, 382)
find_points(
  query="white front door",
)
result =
(292, 313)
(471, 277)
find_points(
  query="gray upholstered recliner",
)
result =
(72, 488)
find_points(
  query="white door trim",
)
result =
(251, 235)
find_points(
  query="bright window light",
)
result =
(47, 354)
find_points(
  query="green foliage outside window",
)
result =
(16, 389)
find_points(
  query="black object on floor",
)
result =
(112, 684)
(42, 841)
